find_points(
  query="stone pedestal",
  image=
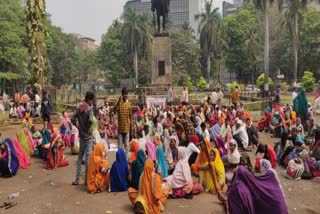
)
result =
(161, 66)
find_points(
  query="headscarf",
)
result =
(251, 194)
(156, 140)
(204, 153)
(265, 165)
(137, 168)
(150, 187)
(233, 157)
(134, 148)
(151, 149)
(162, 161)
(221, 146)
(11, 161)
(65, 120)
(119, 172)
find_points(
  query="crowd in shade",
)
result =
(170, 152)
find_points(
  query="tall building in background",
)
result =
(181, 11)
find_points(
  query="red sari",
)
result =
(56, 148)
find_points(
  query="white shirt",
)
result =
(206, 134)
(191, 148)
(242, 133)
(214, 97)
(294, 95)
(37, 99)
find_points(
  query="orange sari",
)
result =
(150, 188)
(202, 157)
(97, 181)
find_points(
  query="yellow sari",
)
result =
(215, 177)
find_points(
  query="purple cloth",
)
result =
(221, 146)
(251, 194)
(214, 131)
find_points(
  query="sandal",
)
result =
(11, 204)
(75, 183)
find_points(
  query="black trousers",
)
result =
(239, 142)
(192, 158)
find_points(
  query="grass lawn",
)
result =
(288, 99)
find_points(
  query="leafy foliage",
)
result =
(202, 84)
(260, 81)
(36, 28)
(308, 81)
(13, 51)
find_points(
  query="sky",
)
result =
(87, 17)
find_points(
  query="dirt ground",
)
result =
(50, 192)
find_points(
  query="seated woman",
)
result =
(295, 169)
(269, 154)
(265, 122)
(172, 153)
(119, 173)
(150, 188)
(151, 150)
(65, 128)
(181, 178)
(9, 162)
(251, 194)
(98, 177)
(134, 148)
(24, 161)
(27, 122)
(246, 161)
(26, 141)
(277, 125)
(137, 169)
(161, 163)
(55, 157)
(232, 160)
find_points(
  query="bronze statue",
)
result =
(161, 7)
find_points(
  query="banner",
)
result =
(155, 102)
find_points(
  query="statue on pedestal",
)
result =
(161, 7)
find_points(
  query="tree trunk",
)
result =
(39, 64)
(266, 47)
(295, 49)
(208, 69)
(135, 64)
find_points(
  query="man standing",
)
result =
(45, 108)
(235, 97)
(170, 96)
(220, 96)
(294, 93)
(123, 109)
(214, 98)
(84, 117)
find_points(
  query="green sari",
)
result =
(24, 142)
(300, 105)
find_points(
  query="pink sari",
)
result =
(30, 141)
(24, 161)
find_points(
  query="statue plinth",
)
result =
(161, 34)
(161, 66)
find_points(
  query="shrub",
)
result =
(308, 81)
(189, 84)
(284, 86)
(260, 82)
(202, 84)
(232, 86)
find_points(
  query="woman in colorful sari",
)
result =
(162, 168)
(300, 105)
(137, 169)
(9, 162)
(119, 173)
(220, 145)
(55, 157)
(27, 122)
(134, 148)
(24, 161)
(151, 150)
(151, 188)
(25, 143)
(251, 194)
(98, 177)
(65, 128)
(181, 178)
(268, 154)
(265, 122)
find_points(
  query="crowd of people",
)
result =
(167, 152)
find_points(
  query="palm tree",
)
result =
(263, 6)
(135, 35)
(209, 29)
(290, 10)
